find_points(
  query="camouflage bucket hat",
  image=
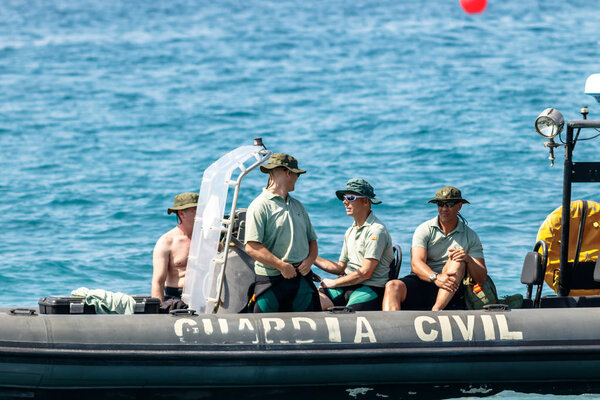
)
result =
(183, 201)
(282, 160)
(448, 193)
(360, 187)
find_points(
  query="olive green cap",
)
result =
(360, 187)
(448, 193)
(183, 201)
(282, 160)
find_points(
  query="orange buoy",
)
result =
(473, 6)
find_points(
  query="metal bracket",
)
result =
(180, 312)
(22, 312)
(496, 307)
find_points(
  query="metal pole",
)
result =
(565, 271)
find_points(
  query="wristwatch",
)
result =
(433, 277)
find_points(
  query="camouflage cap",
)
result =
(360, 187)
(448, 193)
(282, 160)
(183, 201)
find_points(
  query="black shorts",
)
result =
(172, 300)
(173, 292)
(356, 297)
(421, 295)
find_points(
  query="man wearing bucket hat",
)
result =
(443, 250)
(282, 241)
(367, 253)
(171, 251)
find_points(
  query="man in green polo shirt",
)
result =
(443, 250)
(282, 241)
(366, 256)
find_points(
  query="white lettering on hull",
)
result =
(424, 336)
(442, 327)
(505, 334)
(245, 324)
(363, 323)
(208, 328)
(446, 328)
(312, 325)
(333, 327)
(185, 325)
(488, 327)
(223, 326)
(465, 331)
(428, 329)
(278, 325)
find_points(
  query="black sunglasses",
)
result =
(446, 203)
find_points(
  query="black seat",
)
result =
(532, 274)
(554, 301)
(396, 263)
(583, 275)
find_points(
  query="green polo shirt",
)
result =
(431, 237)
(283, 227)
(371, 240)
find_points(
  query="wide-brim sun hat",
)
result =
(282, 160)
(358, 187)
(448, 193)
(183, 201)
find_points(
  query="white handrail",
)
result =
(204, 273)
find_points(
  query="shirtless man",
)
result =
(170, 255)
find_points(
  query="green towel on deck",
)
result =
(106, 302)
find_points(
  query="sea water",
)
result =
(108, 109)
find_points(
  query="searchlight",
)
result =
(549, 123)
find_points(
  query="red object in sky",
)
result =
(473, 6)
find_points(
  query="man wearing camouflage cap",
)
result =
(443, 250)
(282, 241)
(367, 253)
(171, 251)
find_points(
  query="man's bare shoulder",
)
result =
(168, 238)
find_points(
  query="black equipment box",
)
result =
(76, 305)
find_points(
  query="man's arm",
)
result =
(335, 268)
(160, 266)
(419, 266)
(261, 254)
(355, 277)
(313, 252)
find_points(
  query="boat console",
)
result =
(561, 257)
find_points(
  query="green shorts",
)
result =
(277, 294)
(356, 297)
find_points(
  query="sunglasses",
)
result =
(446, 203)
(352, 197)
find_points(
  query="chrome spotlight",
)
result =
(549, 123)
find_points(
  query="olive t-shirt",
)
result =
(282, 226)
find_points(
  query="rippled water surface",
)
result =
(108, 109)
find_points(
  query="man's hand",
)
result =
(459, 255)
(327, 283)
(304, 267)
(288, 271)
(447, 281)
